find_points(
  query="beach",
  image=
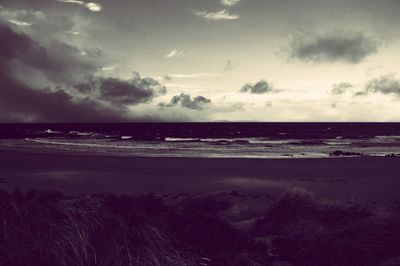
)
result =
(199, 133)
(372, 180)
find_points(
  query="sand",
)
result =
(372, 180)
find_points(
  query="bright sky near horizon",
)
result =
(190, 60)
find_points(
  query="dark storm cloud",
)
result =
(340, 88)
(58, 62)
(338, 46)
(20, 100)
(21, 103)
(186, 101)
(21, 48)
(386, 85)
(258, 88)
(126, 92)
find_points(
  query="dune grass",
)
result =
(53, 228)
(308, 231)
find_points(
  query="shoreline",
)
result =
(170, 150)
(133, 156)
(39, 151)
(364, 179)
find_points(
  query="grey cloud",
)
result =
(385, 84)
(340, 88)
(130, 92)
(58, 62)
(186, 101)
(126, 92)
(338, 46)
(43, 25)
(22, 101)
(258, 88)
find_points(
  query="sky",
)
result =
(192, 60)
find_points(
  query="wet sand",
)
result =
(361, 179)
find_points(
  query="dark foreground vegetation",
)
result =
(52, 228)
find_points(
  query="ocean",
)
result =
(219, 140)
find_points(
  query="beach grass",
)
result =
(54, 228)
(305, 230)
